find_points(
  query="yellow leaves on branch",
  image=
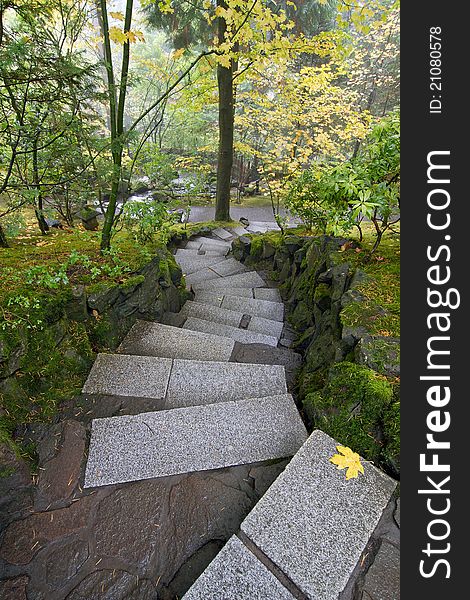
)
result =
(119, 36)
(347, 459)
(117, 15)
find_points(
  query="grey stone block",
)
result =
(260, 308)
(250, 279)
(194, 252)
(168, 442)
(196, 263)
(155, 339)
(223, 234)
(206, 247)
(201, 382)
(256, 229)
(313, 523)
(241, 292)
(271, 294)
(383, 578)
(211, 313)
(238, 230)
(202, 276)
(212, 241)
(230, 266)
(269, 225)
(266, 326)
(124, 375)
(234, 333)
(236, 574)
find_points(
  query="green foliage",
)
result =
(351, 407)
(156, 165)
(144, 220)
(334, 198)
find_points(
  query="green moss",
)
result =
(351, 406)
(132, 282)
(391, 424)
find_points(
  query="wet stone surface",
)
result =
(137, 541)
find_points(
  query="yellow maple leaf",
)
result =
(117, 35)
(349, 460)
(117, 15)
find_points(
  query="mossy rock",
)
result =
(302, 317)
(380, 353)
(351, 408)
(391, 426)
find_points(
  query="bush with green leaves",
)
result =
(159, 167)
(335, 198)
(144, 219)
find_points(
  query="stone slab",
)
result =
(260, 308)
(313, 523)
(241, 292)
(229, 266)
(192, 252)
(201, 276)
(234, 333)
(191, 265)
(256, 229)
(223, 234)
(211, 313)
(270, 225)
(184, 440)
(155, 339)
(238, 230)
(271, 294)
(236, 574)
(207, 247)
(212, 241)
(382, 581)
(203, 382)
(250, 279)
(266, 326)
(125, 375)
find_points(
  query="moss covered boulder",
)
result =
(351, 408)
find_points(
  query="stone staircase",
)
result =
(207, 408)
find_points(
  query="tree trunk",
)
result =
(226, 126)
(43, 226)
(116, 116)
(3, 239)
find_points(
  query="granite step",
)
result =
(250, 279)
(197, 262)
(236, 574)
(313, 524)
(212, 241)
(234, 333)
(223, 234)
(192, 252)
(311, 528)
(224, 268)
(271, 294)
(180, 382)
(249, 306)
(202, 248)
(155, 339)
(238, 230)
(184, 440)
(230, 317)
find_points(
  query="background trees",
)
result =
(99, 99)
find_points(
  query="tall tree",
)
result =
(116, 102)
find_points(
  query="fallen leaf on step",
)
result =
(347, 459)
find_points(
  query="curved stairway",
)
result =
(205, 407)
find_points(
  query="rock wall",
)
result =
(348, 384)
(40, 366)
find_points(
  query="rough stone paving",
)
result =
(191, 431)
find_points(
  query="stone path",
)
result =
(191, 422)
